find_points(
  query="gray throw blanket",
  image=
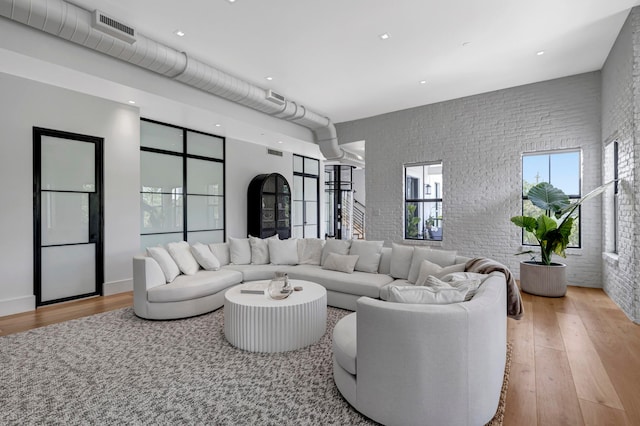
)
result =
(483, 265)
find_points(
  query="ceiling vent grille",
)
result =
(113, 27)
(274, 152)
(276, 98)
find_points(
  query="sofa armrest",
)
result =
(146, 274)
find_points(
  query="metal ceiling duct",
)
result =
(74, 24)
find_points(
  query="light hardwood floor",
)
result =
(576, 359)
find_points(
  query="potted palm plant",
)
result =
(552, 230)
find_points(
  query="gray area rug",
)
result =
(114, 368)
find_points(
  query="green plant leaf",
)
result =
(547, 197)
(527, 222)
(544, 225)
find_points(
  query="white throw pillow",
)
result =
(181, 253)
(401, 261)
(239, 251)
(426, 295)
(471, 286)
(440, 257)
(335, 246)
(166, 262)
(204, 257)
(283, 252)
(260, 250)
(340, 262)
(221, 252)
(429, 268)
(369, 253)
(310, 251)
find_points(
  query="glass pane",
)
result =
(68, 271)
(311, 231)
(535, 169)
(311, 213)
(297, 188)
(204, 213)
(269, 184)
(160, 172)
(297, 232)
(297, 164)
(206, 237)
(565, 172)
(160, 212)
(205, 145)
(154, 135)
(310, 189)
(154, 240)
(205, 177)
(298, 212)
(65, 218)
(311, 166)
(67, 165)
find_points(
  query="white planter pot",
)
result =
(543, 280)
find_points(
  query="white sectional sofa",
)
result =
(203, 290)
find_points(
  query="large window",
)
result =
(561, 169)
(611, 202)
(173, 159)
(306, 191)
(423, 201)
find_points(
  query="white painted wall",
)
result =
(25, 104)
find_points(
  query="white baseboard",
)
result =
(17, 305)
(114, 287)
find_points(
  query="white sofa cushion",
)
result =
(284, 252)
(427, 295)
(187, 287)
(358, 283)
(345, 342)
(239, 251)
(205, 257)
(341, 262)
(310, 251)
(428, 268)
(440, 257)
(260, 250)
(181, 253)
(471, 286)
(335, 246)
(167, 264)
(401, 260)
(221, 252)
(369, 253)
(258, 272)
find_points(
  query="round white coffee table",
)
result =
(257, 323)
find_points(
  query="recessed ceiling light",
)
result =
(384, 36)
(280, 142)
(232, 1)
(218, 125)
(269, 78)
(423, 81)
(179, 33)
(540, 52)
(132, 102)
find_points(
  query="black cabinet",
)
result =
(269, 206)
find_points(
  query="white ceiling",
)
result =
(327, 54)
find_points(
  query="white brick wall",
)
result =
(619, 117)
(480, 140)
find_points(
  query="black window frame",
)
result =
(548, 179)
(304, 174)
(410, 198)
(185, 157)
